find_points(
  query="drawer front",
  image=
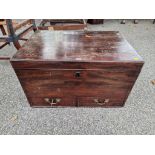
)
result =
(51, 101)
(100, 101)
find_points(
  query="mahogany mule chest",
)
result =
(77, 69)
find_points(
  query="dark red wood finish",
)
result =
(62, 24)
(77, 69)
(95, 21)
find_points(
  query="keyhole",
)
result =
(77, 74)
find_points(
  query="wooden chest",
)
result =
(65, 68)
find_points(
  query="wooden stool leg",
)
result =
(3, 45)
(34, 29)
(3, 30)
(123, 21)
(34, 25)
(17, 45)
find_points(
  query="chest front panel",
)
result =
(78, 87)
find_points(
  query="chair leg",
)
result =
(3, 30)
(34, 29)
(3, 45)
(154, 21)
(17, 45)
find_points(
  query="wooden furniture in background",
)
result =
(3, 30)
(135, 21)
(11, 34)
(80, 68)
(62, 24)
(95, 21)
(2, 26)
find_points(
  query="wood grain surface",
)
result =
(88, 69)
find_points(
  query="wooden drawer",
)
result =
(100, 101)
(52, 101)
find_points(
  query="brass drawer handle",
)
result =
(52, 101)
(102, 101)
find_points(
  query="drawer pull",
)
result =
(101, 101)
(52, 101)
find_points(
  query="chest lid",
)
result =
(50, 48)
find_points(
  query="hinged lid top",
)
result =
(72, 46)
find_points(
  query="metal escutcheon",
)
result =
(101, 101)
(77, 74)
(53, 101)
